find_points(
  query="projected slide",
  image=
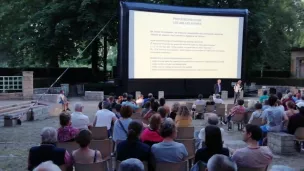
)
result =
(179, 46)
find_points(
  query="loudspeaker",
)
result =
(272, 91)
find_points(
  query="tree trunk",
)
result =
(95, 57)
(105, 56)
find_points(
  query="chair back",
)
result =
(209, 108)
(119, 162)
(238, 118)
(99, 133)
(185, 133)
(190, 146)
(229, 106)
(220, 112)
(199, 108)
(101, 166)
(246, 103)
(257, 121)
(189, 105)
(104, 146)
(252, 169)
(164, 166)
(136, 116)
(299, 134)
(217, 105)
(69, 146)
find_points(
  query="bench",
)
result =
(281, 143)
(94, 95)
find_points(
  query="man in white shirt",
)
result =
(78, 119)
(237, 90)
(104, 117)
(217, 99)
(301, 101)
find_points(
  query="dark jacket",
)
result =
(216, 88)
(136, 149)
(45, 152)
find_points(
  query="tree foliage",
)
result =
(47, 32)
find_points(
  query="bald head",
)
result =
(47, 166)
(220, 162)
(213, 119)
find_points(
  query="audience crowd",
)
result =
(155, 141)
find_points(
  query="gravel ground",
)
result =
(15, 141)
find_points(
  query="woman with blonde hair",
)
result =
(183, 117)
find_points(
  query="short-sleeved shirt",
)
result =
(238, 110)
(79, 120)
(256, 114)
(172, 152)
(263, 98)
(104, 118)
(252, 157)
(67, 133)
(120, 133)
(274, 117)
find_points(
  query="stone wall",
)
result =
(54, 98)
(94, 95)
(281, 143)
(53, 90)
(11, 96)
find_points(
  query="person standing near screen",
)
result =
(218, 87)
(237, 90)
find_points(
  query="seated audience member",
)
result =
(212, 120)
(140, 100)
(264, 96)
(298, 95)
(121, 125)
(174, 110)
(163, 112)
(47, 166)
(265, 105)
(280, 106)
(124, 97)
(162, 103)
(151, 134)
(112, 102)
(219, 162)
(291, 109)
(258, 113)
(150, 95)
(199, 101)
(210, 101)
(116, 110)
(66, 132)
(47, 151)
(130, 103)
(301, 102)
(236, 110)
(78, 119)
(63, 101)
(273, 116)
(131, 165)
(133, 147)
(289, 98)
(297, 120)
(146, 109)
(85, 155)
(183, 117)
(168, 150)
(279, 95)
(251, 106)
(104, 117)
(252, 156)
(153, 110)
(214, 145)
(217, 99)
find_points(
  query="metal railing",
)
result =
(10, 83)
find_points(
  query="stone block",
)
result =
(94, 95)
(281, 143)
(54, 98)
(224, 95)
